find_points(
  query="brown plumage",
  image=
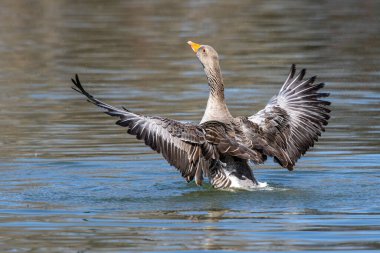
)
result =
(221, 145)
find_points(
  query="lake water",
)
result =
(73, 181)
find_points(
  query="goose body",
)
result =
(220, 146)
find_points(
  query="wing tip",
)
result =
(301, 74)
(292, 70)
(78, 85)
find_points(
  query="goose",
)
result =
(221, 146)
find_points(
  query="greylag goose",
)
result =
(220, 146)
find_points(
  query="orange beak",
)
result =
(194, 46)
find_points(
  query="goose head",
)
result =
(207, 55)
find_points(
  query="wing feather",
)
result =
(180, 144)
(291, 122)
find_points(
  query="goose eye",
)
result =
(204, 50)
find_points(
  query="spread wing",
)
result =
(180, 144)
(291, 122)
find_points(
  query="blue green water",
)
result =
(73, 181)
